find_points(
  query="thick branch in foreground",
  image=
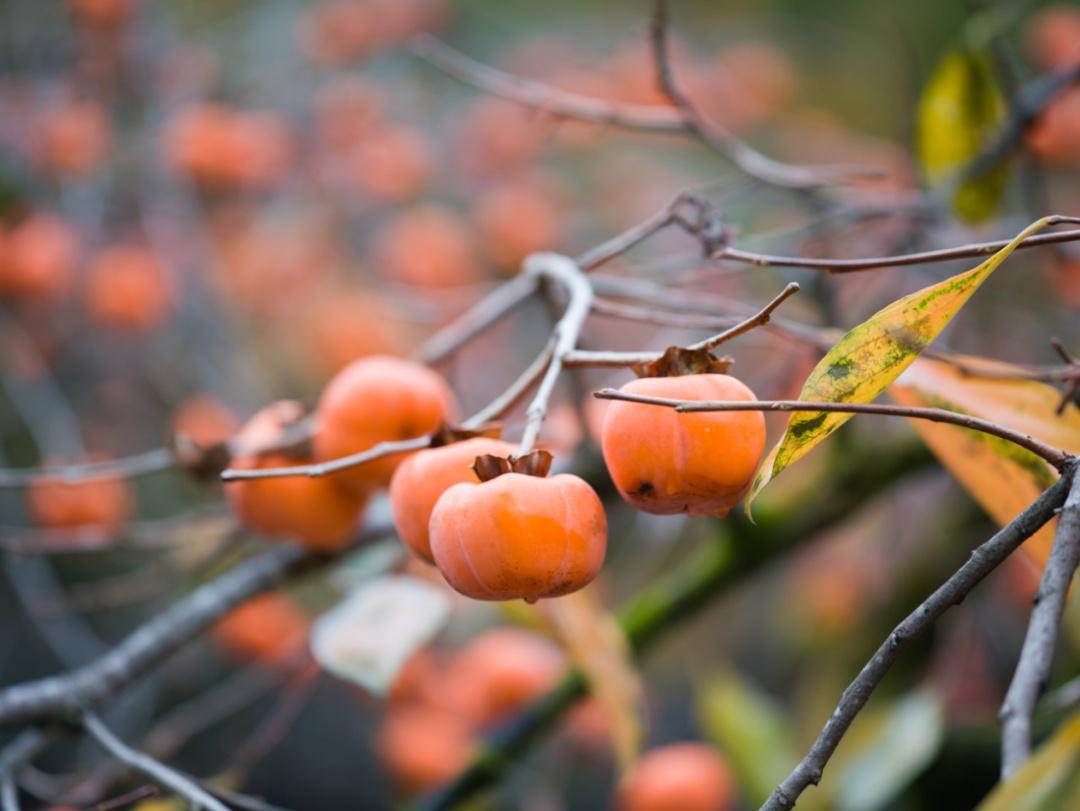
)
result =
(1055, 456)
(982, 562)
(69, 693)
(1037, 653)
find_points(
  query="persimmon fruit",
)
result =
(665, 462)
(678, 777)
(420, 481)
(378, 399)
(423, 746)
(519, 536)
(128, 289)
(270, 629)
(315, 511)
(102, 503)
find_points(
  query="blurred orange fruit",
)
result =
(127, 288)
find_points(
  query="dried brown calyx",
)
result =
(201, 462)
(536, 463)
(447, 434)
(677, 361)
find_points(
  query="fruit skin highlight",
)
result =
(666, 462)
(421, 480)
(378, 399)
(519, 536)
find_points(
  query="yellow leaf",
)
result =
(1002, 478)
(596, 644)
(1038, 784)
(960, 110)
(872, 355)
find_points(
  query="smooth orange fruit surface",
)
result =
(204, 419)
(41, 255)
(270, 629)
(519, 536)
(127, 288)
(423, 746)
(316, 511)
(378, 399)
(664, 462)
(501, 671)
(678, 777)
(100, 503)
(422, 478)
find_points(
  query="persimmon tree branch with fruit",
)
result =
(505, 517)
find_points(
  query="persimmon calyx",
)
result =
(447, 434)
(677, 361)
(536, 463)
(201, 462)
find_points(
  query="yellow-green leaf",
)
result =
(960, 110)
(999, 476)
(597, 645)
(752, 731)
(1047, 780)
(872, 355)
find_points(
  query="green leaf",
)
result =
(1048, 780)
(751, 730)
(872, 355)
(900, 749)
(960, 111)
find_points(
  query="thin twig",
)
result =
(644, 118)
(984, 559)
(1037, 654)
(1054, 456)
(128, 799)
(167, 776)
(565, 272)
(581, 358)
(661, 316)
(970, 251)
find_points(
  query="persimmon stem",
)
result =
(1056, 457)
(581, 358)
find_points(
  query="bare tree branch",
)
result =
(565, 272)
(185, 786)
(1037, 654)
(984, 559)
(644, 118)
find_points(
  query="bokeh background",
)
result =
(207, 206)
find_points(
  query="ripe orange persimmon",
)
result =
(342, 325)
(514, 220)
(102, 13)
(127, 288)
(316, 511)
(392, 164)
(378, 399)
(204, 419)
(423, 746)
(428, 246)
(72, 138)
(1054, 37)
(40, 258)
(519, 536)
(422, 478)
(98, 503)
(678, 777)
(270, 629)
(665, 462)
(500, 671)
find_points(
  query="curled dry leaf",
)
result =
(597, 645)
(1000, 477)
(368, 636)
